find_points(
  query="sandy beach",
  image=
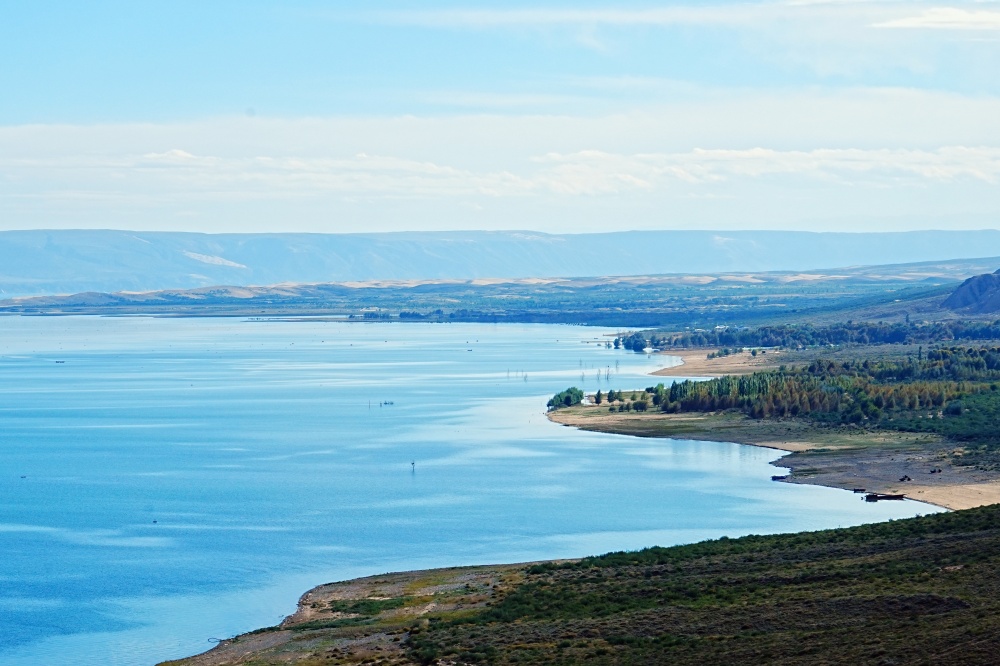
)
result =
(957, 496)
(845, 458)
(695, 363)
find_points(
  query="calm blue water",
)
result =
(174, 480)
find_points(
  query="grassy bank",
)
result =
(917, 591)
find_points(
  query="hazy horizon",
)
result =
(72, 261)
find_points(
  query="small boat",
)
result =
(878, 497)
(859, 490)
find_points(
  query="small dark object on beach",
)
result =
(859, 490)
(778, 477)
(878, 497)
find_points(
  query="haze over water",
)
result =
(165, 481)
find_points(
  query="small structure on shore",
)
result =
(878, 497)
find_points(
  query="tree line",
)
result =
(808, 335)
(846, 392)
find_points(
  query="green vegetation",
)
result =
(568, 398)
(673, 301)
(950, 391)
(726, 351)
(733, 339)
(791, 336)
(919, 591)
(367, 606)
(637, 342)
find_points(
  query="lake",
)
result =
(168, 481)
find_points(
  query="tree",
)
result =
(568, 398)
(598, 398)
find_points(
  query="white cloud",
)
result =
(592, 172)
(492, 18)
(580, 173)
(733, 158)
(753, 14)
(830, 38)
(947, 18)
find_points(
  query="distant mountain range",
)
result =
(73, 261)
(875, 293)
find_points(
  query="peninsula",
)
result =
(898, 424)
(846, 458)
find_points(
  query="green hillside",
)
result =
(918, 591)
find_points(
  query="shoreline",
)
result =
(836, 458)
(912, 587)
(477, 586)
(844, 459)
(695, 363)
(333, 606)
(467, 589)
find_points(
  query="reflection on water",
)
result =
(186, 479)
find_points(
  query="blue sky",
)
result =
(562, 117)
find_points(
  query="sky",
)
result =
(564, 117)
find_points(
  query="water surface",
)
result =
(165, 481)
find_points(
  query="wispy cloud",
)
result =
(592, 172)
(902, 150)
(749, 14)
(947, 18)
(483, 18)
(580, 173)
(829, 37)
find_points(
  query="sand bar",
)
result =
(695, 363)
